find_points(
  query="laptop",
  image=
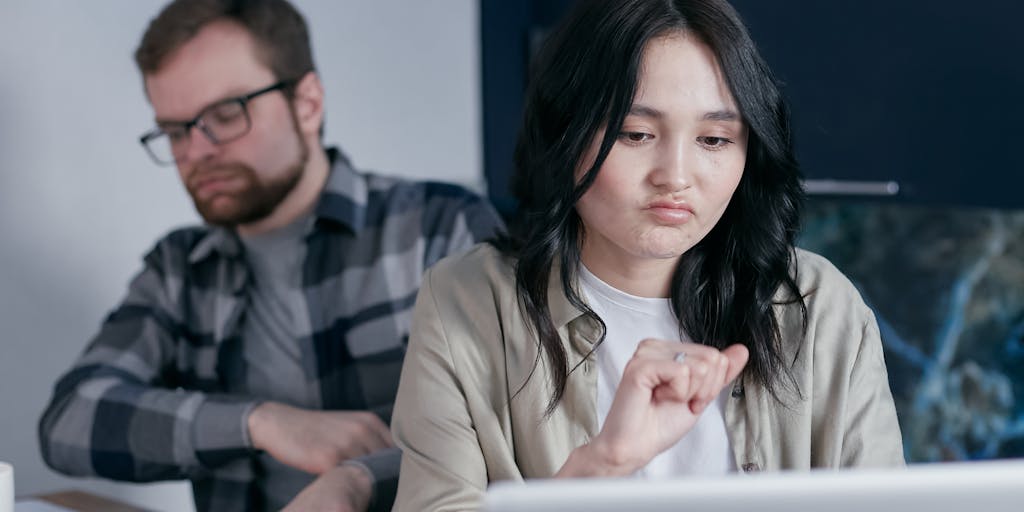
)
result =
(988, 486)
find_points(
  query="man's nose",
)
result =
(200, 145)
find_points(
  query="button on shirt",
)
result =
(164, 389)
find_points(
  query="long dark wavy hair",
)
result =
(585, 79)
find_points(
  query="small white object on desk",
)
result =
(38, 506)
(6, 487)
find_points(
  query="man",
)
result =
(257, 356)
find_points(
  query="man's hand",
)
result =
(315, 441)
(342, 489)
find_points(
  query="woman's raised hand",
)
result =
(664, 389)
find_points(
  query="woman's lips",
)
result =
(670, 213)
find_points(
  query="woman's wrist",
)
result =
(595, 460)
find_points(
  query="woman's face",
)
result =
(669, 177)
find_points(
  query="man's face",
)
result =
(244, 180)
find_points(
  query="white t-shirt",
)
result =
(705, 450)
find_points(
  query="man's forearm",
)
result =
(115, 428)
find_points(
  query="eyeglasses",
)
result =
(221, 122)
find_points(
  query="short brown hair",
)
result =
(279, 30)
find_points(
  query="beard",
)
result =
(249, 199)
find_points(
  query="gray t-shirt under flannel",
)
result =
(276, 316)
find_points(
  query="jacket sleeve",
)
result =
(443, 467)
(119, 413)
(872, 437)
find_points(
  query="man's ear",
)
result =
(308, 102)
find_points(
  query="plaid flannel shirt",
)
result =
(147, 399)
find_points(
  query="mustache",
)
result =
(202, 174)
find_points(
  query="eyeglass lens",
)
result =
(220, 123)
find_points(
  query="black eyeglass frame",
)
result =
(242, 101)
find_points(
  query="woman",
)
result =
(655, 319)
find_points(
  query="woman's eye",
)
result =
(635, 137)
(714, 142)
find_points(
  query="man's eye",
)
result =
(225, 113)
(176, 134)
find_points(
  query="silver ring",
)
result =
(680, 357)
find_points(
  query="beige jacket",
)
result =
(470, 351)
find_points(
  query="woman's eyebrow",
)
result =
(722, 115)
(645, 111)
(716, 115)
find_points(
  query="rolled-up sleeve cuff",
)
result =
(220, 430)
(383, 467)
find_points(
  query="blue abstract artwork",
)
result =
(947, 288)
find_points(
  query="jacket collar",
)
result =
(567, 316)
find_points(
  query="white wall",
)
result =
(80, 201)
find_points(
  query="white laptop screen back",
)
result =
(991, 486)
